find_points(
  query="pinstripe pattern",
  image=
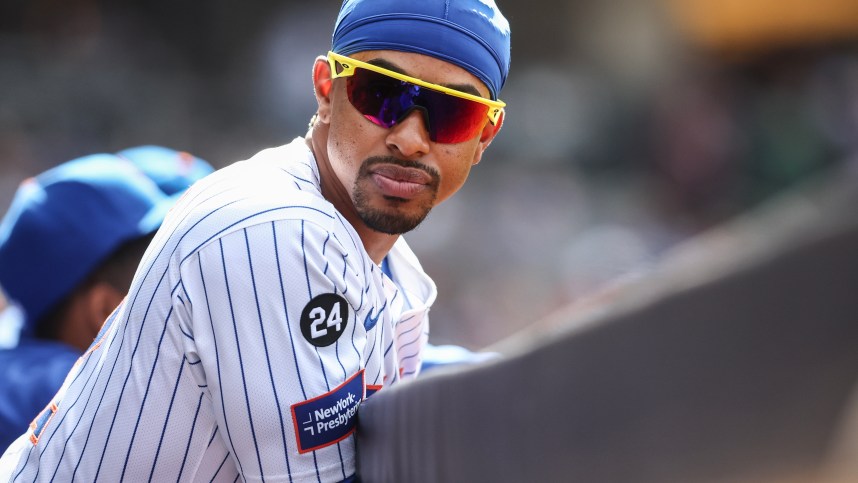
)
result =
(196, 372)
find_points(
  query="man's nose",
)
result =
(410, 136)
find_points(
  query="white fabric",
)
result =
(198, 373)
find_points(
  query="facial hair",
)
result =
(390, 220)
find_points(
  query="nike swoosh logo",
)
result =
(369, 322)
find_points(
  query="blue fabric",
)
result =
(30, 375)
(64, 222)
(472, 34)
(173, 171)
(385, 268)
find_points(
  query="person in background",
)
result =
(69, 246)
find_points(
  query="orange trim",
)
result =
(33, 437)
(103, 332)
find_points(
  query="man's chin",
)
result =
(391, 223)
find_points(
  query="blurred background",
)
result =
(632, 124)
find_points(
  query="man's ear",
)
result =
(322, 84)
(491, 130)
(486, 137)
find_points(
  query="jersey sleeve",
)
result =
(275, 327)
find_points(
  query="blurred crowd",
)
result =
(625, 134)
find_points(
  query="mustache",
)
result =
(405, 163)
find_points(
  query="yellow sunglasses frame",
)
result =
(348, 64)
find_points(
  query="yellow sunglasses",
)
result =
(386, 97)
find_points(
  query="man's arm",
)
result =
(275, 326)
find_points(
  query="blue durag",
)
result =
(472, 34)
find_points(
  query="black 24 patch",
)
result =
(324, 319)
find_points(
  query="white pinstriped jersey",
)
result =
(224, 363)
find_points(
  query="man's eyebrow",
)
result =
(385, 64)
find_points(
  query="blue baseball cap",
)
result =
(472, 34)
(64, 222)
(173, 171)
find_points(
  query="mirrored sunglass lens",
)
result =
(378, 97)
(453, 119)
(384, 100)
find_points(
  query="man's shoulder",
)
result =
(277, 173)
(275, 184)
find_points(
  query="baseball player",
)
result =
(278, 293)
(68, 249)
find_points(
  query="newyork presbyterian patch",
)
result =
(329, 418)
